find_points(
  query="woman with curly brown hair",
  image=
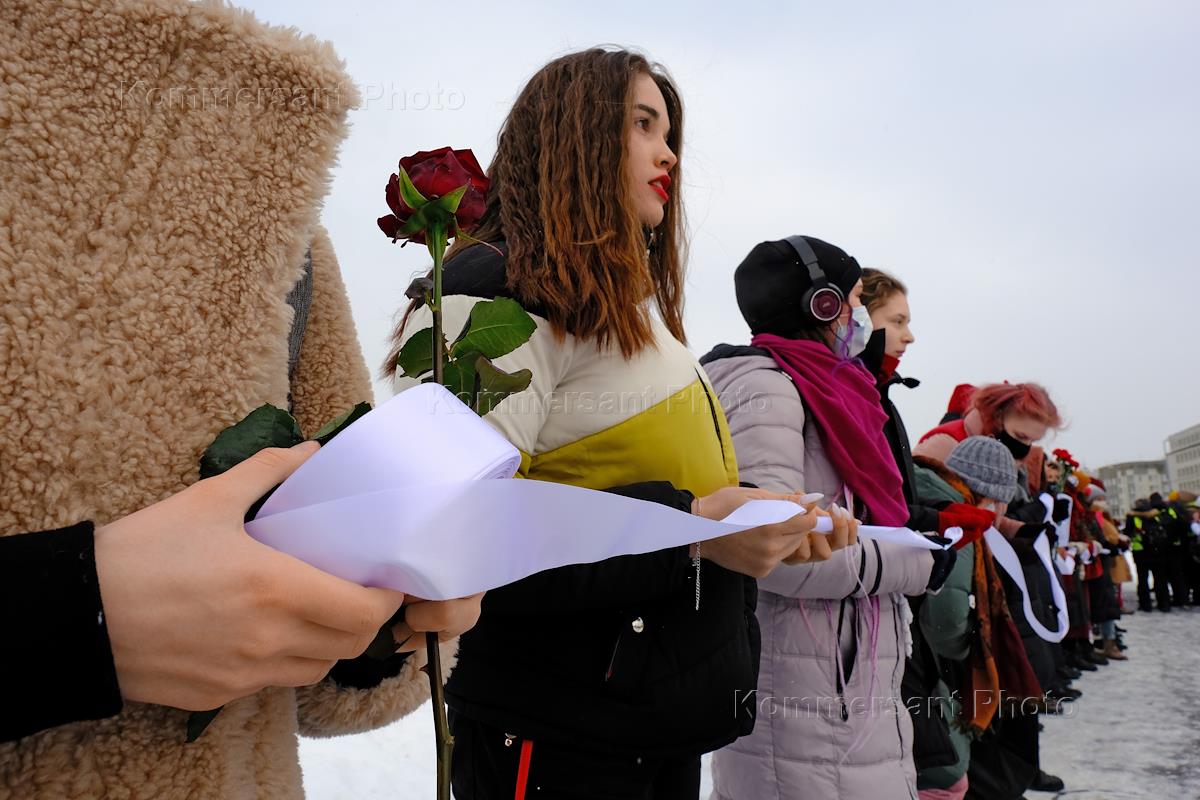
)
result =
(608, 679)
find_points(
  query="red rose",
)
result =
(434, 174)
(1066, 457)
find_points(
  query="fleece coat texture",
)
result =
(164, 164)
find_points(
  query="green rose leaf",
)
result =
(495, 329)
(340, 423)
(425, 217)
(416, 223)
(416, 356)
(408, 192)
(458, 377)
(265, 426)
(449, 203)
(495, 384)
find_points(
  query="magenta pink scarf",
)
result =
(843, 399)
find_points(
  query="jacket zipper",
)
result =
(837, 675)
(612, 662)
(712, 407)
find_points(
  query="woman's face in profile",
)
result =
(650, 160)
(894, 317)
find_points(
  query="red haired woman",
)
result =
(608, 679)
(1018, 414)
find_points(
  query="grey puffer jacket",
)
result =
(816, 735)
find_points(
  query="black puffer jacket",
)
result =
(921, 517)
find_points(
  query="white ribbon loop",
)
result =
(1006, 558)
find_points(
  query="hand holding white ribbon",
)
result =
(414, 496)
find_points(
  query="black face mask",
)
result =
(1054, 487)
(1018, 448)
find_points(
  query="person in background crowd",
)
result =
(1051, 660)
(1051, 491)
(1084, 545)
(886, 299)
(886, 302)
(960, 401)
(1018, 415)
(805, 415)
(1116, 541)
(986, 674)
(1105, 609)
(1193, 564)
(1148, 542)
(1178, 533)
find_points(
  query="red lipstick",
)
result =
(661, 184)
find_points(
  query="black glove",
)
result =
(1062, 509)
(1031, 530)
(943, 563)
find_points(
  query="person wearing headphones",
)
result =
(805, 415)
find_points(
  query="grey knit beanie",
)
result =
(985, 465)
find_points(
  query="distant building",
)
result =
(1183, 459)
(1129, 480)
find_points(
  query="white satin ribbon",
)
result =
(904, 537)
(1062, 529)
(414, 496)
(1006, 558)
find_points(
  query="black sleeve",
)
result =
(366, 672)
(614, 581)
(57, 664)
(1031, 530)
(1031, 511)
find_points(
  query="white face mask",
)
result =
(861, 328)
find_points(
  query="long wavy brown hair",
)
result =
(560, 200)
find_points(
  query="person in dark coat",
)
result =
(1149, 546)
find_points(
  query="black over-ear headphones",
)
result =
(823, 302)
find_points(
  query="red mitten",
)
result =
(972, 519)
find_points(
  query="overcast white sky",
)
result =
(1029, 169)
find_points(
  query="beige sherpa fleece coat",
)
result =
(163, 164)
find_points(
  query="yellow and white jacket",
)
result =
(613, 655)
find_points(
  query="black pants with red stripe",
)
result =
(487, 766)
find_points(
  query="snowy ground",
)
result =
(1133, 734)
